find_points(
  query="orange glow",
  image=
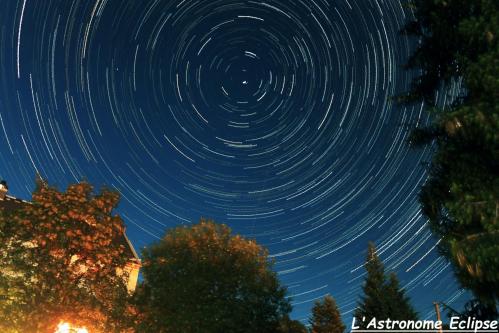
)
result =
(66, 328)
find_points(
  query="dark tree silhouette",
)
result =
(382, 299)
(458, 58)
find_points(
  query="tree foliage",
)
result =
(474, 308)
(326, 317)
(383, 298)
(59, 258)
(287, 325)
(458, 57)
(204, 279)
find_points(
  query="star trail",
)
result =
(275, 117)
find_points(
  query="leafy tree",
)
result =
(60, 259)
(204, 279)
(288, 325)
(326, 317)
(382, 299)
(458, 57)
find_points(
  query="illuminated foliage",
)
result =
(204, 279)
(59, 259)
(288, 325)
(326, 317)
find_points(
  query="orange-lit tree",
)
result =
(204, 279)
(326, 317)
(289, 325)
(60, 260)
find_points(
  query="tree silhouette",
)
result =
(382, 299)
(458, 58)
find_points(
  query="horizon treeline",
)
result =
(62, 261)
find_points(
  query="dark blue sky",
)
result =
(274, 117)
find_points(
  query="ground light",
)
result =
(67, 328)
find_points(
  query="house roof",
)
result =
(12, 203)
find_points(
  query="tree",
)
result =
(458, 58)
(60, 259)
(288, 325)
(204, 279)
(374, 302)
(473, 309)
(399, 306)
(326, 317)
(382, 299)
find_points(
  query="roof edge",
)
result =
(130, 245)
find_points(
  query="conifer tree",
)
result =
(326, 317)
(458, 60)
(399, 306)
(373, 303)
(382, 299)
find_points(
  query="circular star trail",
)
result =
(275, 117)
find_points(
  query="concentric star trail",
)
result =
(275, 117)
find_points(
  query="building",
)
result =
(133, 265)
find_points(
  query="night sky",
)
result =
(275, 117)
